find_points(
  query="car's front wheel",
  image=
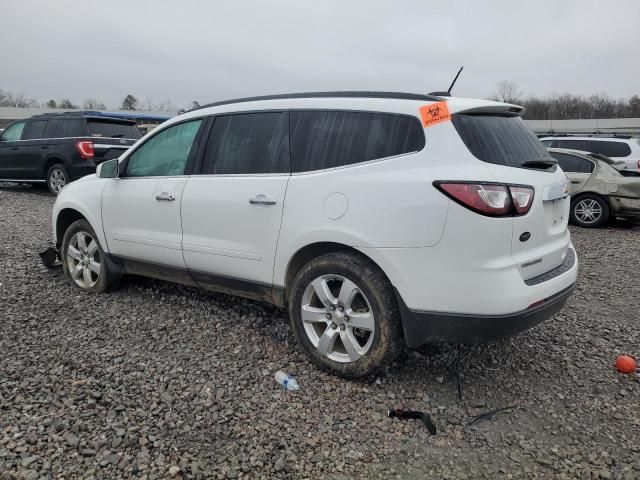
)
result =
(57, 178)
(344, 315)
(84, 261)
(589, 211)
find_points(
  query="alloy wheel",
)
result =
(588, 211)
(57, 179)
(83, 260)
(338, 318)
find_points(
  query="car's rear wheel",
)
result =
(589, 211)
(57, 178)
(344, 315)
(84, 261)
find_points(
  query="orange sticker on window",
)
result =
(435, 113)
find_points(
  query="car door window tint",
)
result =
(327, 139)
(611, 149)
(573, 163)
(66, 128)
(112, 129)
(248, 143)
(13, 133)
(583, 145)
(34, 130)
(166, 153)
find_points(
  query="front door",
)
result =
(232, 209)
(12, 152)
(141, 208)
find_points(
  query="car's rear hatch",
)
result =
(111, 137)
(514, 155)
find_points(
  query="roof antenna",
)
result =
(448, 92)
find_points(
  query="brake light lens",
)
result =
(490, 199)
(85, 149)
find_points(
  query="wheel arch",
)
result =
(65, 218)
(597, 194)
(50, 162)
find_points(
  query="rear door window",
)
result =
(499, 139)
(328, 139)
(584, 145)
(34, 130)
(66, 128)
(110, 129)
(573, 163)
(610, 149)
(13, 133)
(248, 143)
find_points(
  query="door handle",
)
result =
(262, 199)
(165, 196)
(575, 181)
(44, 147)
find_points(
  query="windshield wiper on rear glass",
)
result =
(539, 163)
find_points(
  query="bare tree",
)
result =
(67, 104)
(93, 104)
(508, 92)
(20, 100)
(147, 105)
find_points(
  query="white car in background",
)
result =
(624, 148)
(378, 220)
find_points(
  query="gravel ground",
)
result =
(163, 381)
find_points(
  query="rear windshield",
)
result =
(100, 128)
(499, 139)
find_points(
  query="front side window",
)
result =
(166, 153)
(328, 139)
(611, 149)
(34, 130)
(13, 133)
(66, 128)
(248, 143)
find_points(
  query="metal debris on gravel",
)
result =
(163, 381)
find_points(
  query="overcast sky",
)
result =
(195, 50)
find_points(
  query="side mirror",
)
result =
(108, 169)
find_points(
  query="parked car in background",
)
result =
(620, 147)
(58, 148)
(378, 219)
(599, 191)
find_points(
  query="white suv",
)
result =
(620, 147)
(377, 219)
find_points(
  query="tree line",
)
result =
(567, 106)
(129, 102)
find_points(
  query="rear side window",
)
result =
(327, 139)
(34, 130)
(611, 149)
(584, 145)
(572, 163)
(13, 133)
(248, 143)
(499, 139)
(66, 128)
(99, 128)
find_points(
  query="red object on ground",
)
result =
(625, 364)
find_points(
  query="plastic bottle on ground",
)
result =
(286, 380)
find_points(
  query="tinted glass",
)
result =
(572, 163)
(34, 130)
(66, 127)
(332, 139)
(611, 149)
(99, 128)
(583, 145)
(498, 139)
(547, 143)
(248, 143)
(166, 153)
(13, 133)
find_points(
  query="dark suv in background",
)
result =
(62, 147)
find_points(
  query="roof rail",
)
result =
(344, 94)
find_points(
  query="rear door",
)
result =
(12, 152)
(231, 211)
(111, 138)
(35, 148)
(541, 237)
(577, 169)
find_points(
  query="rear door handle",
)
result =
(262, 199)
(44, 147)
(165, 197)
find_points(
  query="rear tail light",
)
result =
(85, 149)
(490, 199)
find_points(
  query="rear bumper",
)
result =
(431, 327)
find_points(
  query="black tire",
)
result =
(107, 278)
(593, 203)
(57, 177)
(376, 289)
